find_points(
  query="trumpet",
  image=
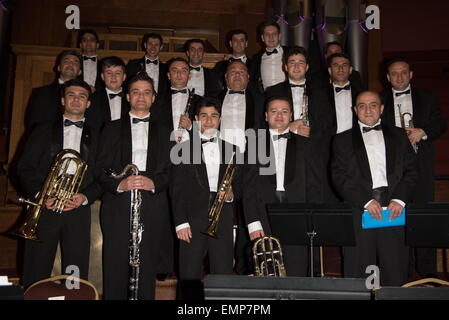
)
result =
(404, 124)
(217, 206)
(59, 184)
(268, 258)
(136, 230)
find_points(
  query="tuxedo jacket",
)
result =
(212, 83)
(321, 123)
(45, 105)
(137, 65)
(355, 90)
(99, 83)
(115, 153)
(221, 67)
(427, 116)
(302, 178)
(255, 113)
(99, 111)
(190, 186)
(255, 73)
(351, 171)
(44, 143)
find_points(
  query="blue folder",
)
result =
(371, 223)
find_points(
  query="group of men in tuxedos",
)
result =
(325, 138)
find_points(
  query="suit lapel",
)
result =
(126, 141)
(390, 149)
(290, 161)
(152, 146)
(360, 152)
(85, 142)
(389, 109)
(416, 107)
(249, 112)
(57, 142)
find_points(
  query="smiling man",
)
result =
(373, 167)
(71, 227)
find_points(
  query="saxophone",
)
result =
(136, 230)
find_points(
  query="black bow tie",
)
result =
(292, 85)
(368, 129)
(195, 68)
(148, 61)
(174, 91)
(78, 124)
(346, 87)
(232, 59)
(397, 94)
(113, 95)
(89, 58)
(137, 120)
(286, 135)
(236, 92)
(213, 139)
(269, 53)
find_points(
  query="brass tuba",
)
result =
(217, 206)
(268, 259)
(59, 184)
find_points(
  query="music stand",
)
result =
(427, 225)
(312, 224)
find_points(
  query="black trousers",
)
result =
(72, 229)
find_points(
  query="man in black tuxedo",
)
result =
(196, 181)
(138, 140)
(267, 67)
(342, 92)
(320, 77)
(287, 172)
(72, 226)
(238, 42)
(45, 105)
(373, 167)
(205, 81)
(171, 111)
(429, 124)
(89, 42)
(109, 103)
(152, 44)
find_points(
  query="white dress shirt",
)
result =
(139, 138)
(280, 152)
(90, 71)
(72, 140)
(153, 71)
(197, 81)
(343, 108)
(179, 103)
(115, 105)
(298, 99)
(212, 159)
(271, 68)
(233, 117)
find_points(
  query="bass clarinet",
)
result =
(136, 230)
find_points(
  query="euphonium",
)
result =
(217, 206)
(268, 259)
(59, 184)
(136, 230)
(405, 125)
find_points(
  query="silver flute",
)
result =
(136, 230)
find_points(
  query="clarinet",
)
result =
(305, 108)
(186, 110)
(136, 230)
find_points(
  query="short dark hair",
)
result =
(151, 35)
(208, 102)
(177, 59)
(332, 43)
(389, 62)
(189, 42)
(338, 55)
(237, 61)
(269, 24)
(76, 83)
(141, 76)
(237, 31)
(112, 61)
(68, 52)
(82, 32)
(294, 51)
(282, 98)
